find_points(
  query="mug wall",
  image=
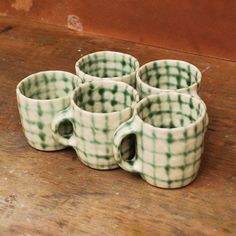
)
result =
(170, 140)
(116, 66)
(168, 75)
(40, 97)
(97, 109)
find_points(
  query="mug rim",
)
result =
(99, 82)
(19, 92)
(81, 73)
(181, 128)
(140, 81)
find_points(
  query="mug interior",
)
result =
(169, 74)
(47, 85)
(170, 110)
(105, 97)
(108, 64)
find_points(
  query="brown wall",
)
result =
(197, 26)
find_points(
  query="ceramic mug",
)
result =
(108, 64)
(169, 129)
(168, 75)
(40, 96)
(97, 109)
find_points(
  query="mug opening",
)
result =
(47, 85)
(170, 110)
(104, 97)
(108, 64)
(169, 74)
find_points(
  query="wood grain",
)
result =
(197, 26)
(52, 193)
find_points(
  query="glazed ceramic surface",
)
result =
(169, 129)
(40, 97)
(96, 111)
(168, 75)
(108, 64)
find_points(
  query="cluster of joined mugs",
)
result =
(146, 119)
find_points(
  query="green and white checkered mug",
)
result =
(40, 96)
(169, 129)
(108, 64)
(166, 76)
(97, 110)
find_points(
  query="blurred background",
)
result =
(195, 26)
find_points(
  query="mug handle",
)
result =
(65, 115)
(127, 128)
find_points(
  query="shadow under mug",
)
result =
(166, 76)
(116, 66)
(40, 97)
(97, 110)
(169, 129)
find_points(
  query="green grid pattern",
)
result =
(94, 133)
(108, 64)
(162, 75)
(99, 108)
(40, 96)
(170, 157)
(104, 99)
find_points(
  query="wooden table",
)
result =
(53, 193)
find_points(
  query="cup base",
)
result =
(100, 167)
(174, 185)
(46, 148)
(97, 162)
